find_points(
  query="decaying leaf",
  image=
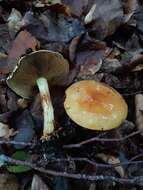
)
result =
(54, 5)
(90, 67)
(25, 126)
(77, 7)
(107, 17)
(38, 184)
(42, 3)
(89, 63)
(52, 27)
(112, 160)
(5, 131)
(139, 111)
(130, 7)
(22, 103)
(14, 20)
(73, 47)
(111, 65)
(22, 42)
(8, 182)
(5, 39)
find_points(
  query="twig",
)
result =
(78, 145)
(95, 163)
(16, 143)
(138, 180)
(132, 93)
(136, 157)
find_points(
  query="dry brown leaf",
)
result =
(22, 42)
(90, 68)
(61, 8)
(89, 63)
(8, 182)
(77, 7)
(55, 5)
(112, 160)
(38, 184)
(139, 111)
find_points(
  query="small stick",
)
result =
(16, 143)
(138, 180)
(78, 145)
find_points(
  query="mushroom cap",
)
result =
(42, 63)
(95, 105)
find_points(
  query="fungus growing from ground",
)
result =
(95, 105)
(41, 68)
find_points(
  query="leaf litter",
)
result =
(102, 40)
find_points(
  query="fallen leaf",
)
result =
(43, 3)
(55, 6)
(22, 103)
(73, 47)
(89, 62)
(138, 20)
(107, 17)
(130, 6)
(111, 65)
(5, 39)
(11, 100)
(38, 184)
(139, 111)
(25, 126)
(52, 27)
(60, 183)
(3, 100)
(4, 117)
(89, 17)
(90, 67)
(61, 8)
(76, 7)
(14, 21)
(8, 182)
(22, 42)
(138, 68)
(88, 42)
(112, 160)
(19, 155)
(5, 131)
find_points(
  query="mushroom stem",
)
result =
(48, 111)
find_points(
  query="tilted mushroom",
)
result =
(41, 68)
(95, 105)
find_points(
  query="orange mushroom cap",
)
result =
(95, 105)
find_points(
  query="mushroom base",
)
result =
(48, 111)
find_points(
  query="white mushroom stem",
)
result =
(48, 111)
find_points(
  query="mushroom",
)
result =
(41, 68)
(95, 105)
